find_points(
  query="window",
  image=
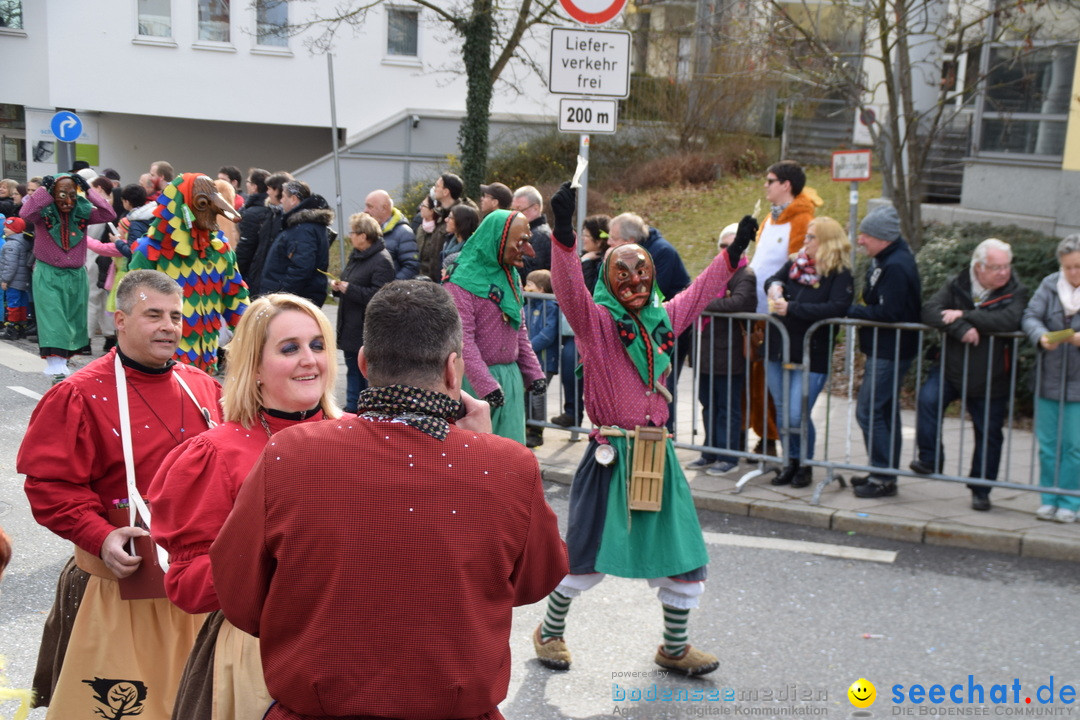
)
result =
(1026, 99)
(214, 20)
(155, 18)
(11, 14)
(272, 21)
(402, 31)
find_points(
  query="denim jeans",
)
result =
(573, 387)
(789, 419)
(354, 381)
(928, 427)
(721, 412)
(877, 411)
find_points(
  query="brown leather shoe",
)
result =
(692, 662)
(552, 653)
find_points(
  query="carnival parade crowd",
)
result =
(250, 547)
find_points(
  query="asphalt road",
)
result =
(795, 614)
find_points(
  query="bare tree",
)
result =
(491, 34)
(904, 63)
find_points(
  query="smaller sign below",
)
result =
(587, 116)
(66, 126)
(851, 165)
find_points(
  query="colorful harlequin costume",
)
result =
(204, 265)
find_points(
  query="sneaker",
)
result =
(692, 662)
(699, 464)
(1064, 515)
(563, 420)
(875, 488)
(1046, 512)
(922, 468)
(552, 653)
(721, 468)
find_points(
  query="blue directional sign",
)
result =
(66, 126)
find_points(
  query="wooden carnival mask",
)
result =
(206, 204)
(630, 274)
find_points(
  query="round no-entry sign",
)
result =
(593, 12)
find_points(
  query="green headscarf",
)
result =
(480, 271)
(77, 219)
(646, 335)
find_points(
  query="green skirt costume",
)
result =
(60, 296)
(507, 421)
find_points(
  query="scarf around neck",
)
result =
(646, 336)
(803, 270)
(1069, 296)
(426, 410)
(479, 269)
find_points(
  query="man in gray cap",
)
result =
(495, 196)
(891, 294)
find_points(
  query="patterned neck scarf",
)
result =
(479, 269)
(426, 410)
(803, 270)
(777, 211)
(646, 335)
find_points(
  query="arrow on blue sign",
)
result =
(66, 126)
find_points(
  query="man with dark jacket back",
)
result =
(981, 300)
(252, 216)
(302, 249)
(398, 236)
(891, 294)
(268, 230)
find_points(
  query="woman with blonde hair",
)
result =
(816, 283)
(281, 372)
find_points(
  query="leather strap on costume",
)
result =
(92, 564)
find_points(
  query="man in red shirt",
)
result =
(379, 558)
(122, 654)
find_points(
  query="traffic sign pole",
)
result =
(583, 191)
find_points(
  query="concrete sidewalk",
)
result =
(936, 512)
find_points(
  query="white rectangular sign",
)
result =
(590, 62)
(851, 165)
(587, 116)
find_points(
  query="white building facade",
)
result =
(207, 83)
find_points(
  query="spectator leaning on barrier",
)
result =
(721, 366)
(1055, 307)
(891, 294)
(980, 300)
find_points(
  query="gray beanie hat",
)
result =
(882, 223)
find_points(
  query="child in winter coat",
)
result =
(16, 258)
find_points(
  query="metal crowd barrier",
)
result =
(838, 399)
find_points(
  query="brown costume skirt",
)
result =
(103, 656)
(223, 677)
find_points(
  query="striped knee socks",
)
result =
(555, 619)
(676, 632)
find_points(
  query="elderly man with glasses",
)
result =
(980, 300)
(529, 202)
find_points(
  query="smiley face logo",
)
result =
(862, 693)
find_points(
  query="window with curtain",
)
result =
(214, 20)
(155, 18)
(402, 30)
